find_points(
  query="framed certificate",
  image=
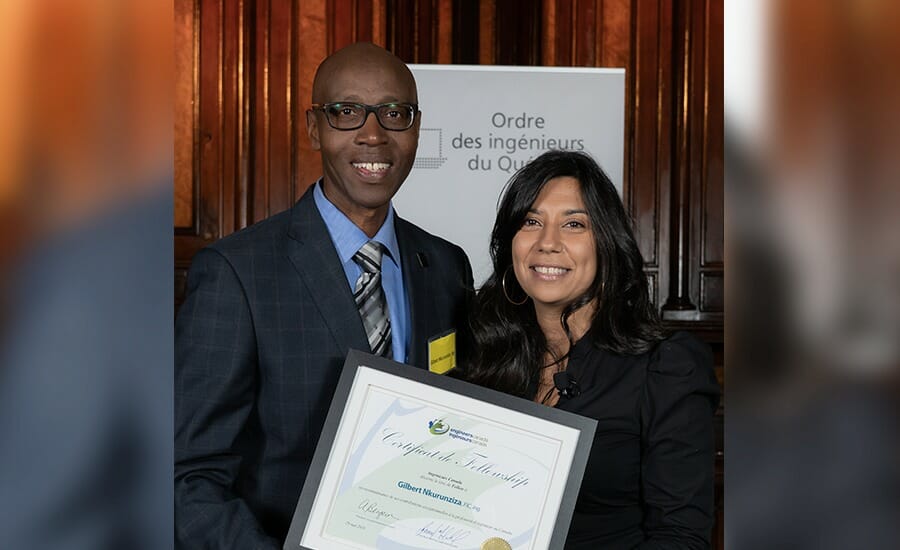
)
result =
(414, 460)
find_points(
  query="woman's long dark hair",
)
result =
(510, 347)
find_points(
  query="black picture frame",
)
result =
(356, 359)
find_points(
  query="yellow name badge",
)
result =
(442, 352)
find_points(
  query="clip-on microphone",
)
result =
(566, 385)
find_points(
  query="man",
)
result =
(272, 310)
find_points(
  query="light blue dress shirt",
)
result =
(347, 239)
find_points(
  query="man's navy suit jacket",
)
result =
(259, 345)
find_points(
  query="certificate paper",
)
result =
(415, 460)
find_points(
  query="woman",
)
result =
(566, 320)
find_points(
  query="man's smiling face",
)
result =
(363, 168)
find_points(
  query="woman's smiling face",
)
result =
(554, 254)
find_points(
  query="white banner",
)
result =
(482, 123)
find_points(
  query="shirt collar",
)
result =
(347, 237)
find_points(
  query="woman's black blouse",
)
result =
(649, 478)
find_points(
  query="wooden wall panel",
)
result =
(274, 189)
(341, 18)
(261, 110)
(584, 39)
(309, 48)
(712, 292)
(417, 31)
(679, 304)
(231, 83)
(614, 42)
(649, 169)
(469, 31)
(184, 113)
(363, 21)
(425, 37)
(561, 32)
(401, 29)
(211, 159)
(712, 164)
(444, 36)
(379, 23)
(697, 190)
(651, 279)
(511, 47)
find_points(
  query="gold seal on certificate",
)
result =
(495, 543)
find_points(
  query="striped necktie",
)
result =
(370, 299)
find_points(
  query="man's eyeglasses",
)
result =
(350, 116)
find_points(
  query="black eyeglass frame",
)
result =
(369, 109)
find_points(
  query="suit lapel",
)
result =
(313, 255)
(417, 279)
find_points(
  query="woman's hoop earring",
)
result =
(505, 293)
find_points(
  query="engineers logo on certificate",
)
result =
(438, 427)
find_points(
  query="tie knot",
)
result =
(369, 256)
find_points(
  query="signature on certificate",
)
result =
(443, 532)
(370, 508)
